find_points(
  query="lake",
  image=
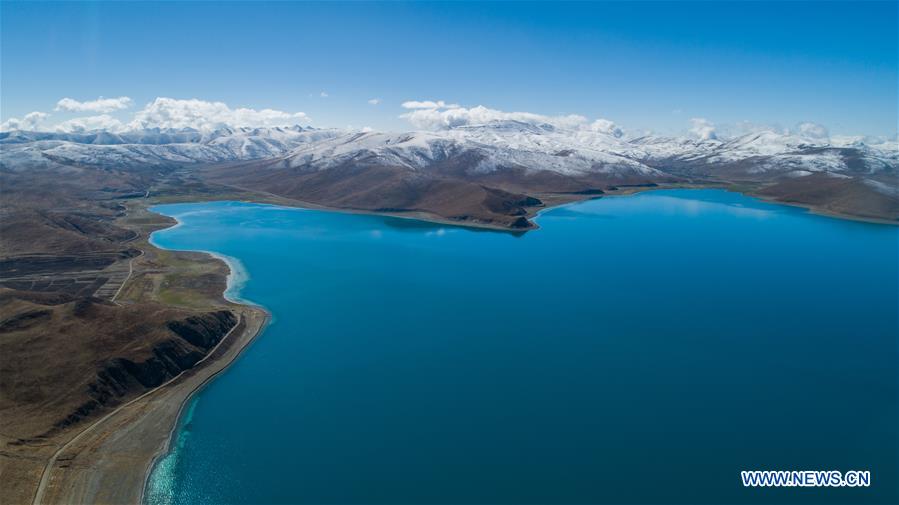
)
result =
(640, 349)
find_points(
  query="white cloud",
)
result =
(101, 105)
(374, 101)
(323, 94)
(440, 115)
(32, 119)
(807, 130)
(89, 123)
(429, 104)
(203, 115)
(813, 131)
(437, 118)
(366, 129)
(705, 129)
(702, 128)
(29, 122)
(607, 127)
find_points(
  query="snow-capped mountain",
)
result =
(492, 173)
(486, 148)
(768, 153)
(479, 149)
(151, 147)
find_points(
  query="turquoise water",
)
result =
(638, 349)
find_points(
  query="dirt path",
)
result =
(130, 273)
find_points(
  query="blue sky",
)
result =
(642, 65)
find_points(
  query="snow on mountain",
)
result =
(152, 147)
(769, 151)
(486, 148)
(480, 148)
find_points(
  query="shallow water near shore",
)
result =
(641, 349)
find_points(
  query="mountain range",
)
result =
(95, 316)
(493, 173)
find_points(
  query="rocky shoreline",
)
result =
(111, 462)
